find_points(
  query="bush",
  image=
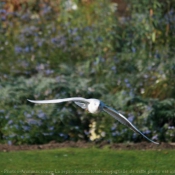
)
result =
(49, 50)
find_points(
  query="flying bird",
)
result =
(95, 106)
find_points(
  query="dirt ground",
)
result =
(118, 146)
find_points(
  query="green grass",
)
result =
(88, 161)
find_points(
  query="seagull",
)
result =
(95, 106)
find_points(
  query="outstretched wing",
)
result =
(124, 121)
(78, 99)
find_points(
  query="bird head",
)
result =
(94, 105)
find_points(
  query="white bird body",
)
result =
(95, 106)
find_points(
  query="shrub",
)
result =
(49, 50)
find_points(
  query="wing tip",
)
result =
(32, 101)
(156, 143)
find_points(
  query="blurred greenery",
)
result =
(59, 49)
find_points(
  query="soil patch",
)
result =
(119, 146)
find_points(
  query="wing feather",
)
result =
(78, 99)
(80, 104)
(124, 121)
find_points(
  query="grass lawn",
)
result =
(88, 161)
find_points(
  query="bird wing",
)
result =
(77, 99)
(80, 104)
(124, 121)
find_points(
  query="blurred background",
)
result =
(120, 51)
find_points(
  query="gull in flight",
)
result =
(95, 106)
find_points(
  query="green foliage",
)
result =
(50, 51)
(163, 118)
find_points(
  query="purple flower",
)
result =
(47, 134)
(51, 128)
(77, 38)
(26, 128)
(25, 17)
(9, 142)
(16, 126)
(12, 135)
(134, 135)
(86, 132)
(126, 80)
(128, 85)
(88, 29)
(61, 134)
(3, 11)
(76, 127)
(72, 31)
(157, 55)
(27, 115)
(10, 122)
(2, 110)
(54, 40)
(131, 94)
(114, 134)
(46, 10)
(114, 126)
(27, 49)
(99, 39)
(7, 117)
(3, 18)
(34, 122)
(48, 71)
(41, 115)
(18, 49)
(133, 49)
(131, 117)
(147, 132)
(59, 41)
(145, 76)
(171, 127)
(40, 43)
(113, 68)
